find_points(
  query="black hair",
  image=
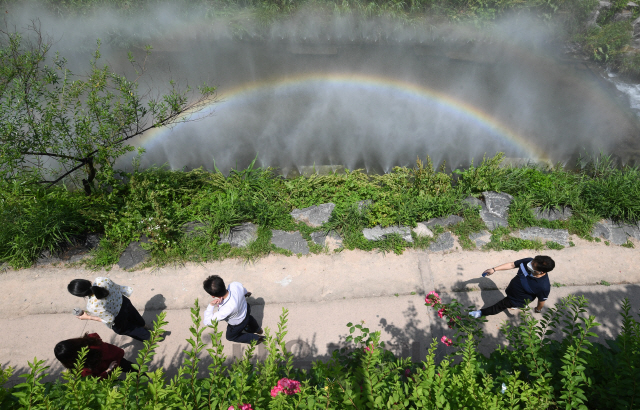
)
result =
(83, 287)
(543, 263)
(214, 285)
(68, 351)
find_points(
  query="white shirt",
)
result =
(233, 308)
(108, 308)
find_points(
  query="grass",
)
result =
(157, 202)
(472, 223)
(554, 245)
(628, 244)
(604, 283)
(502, 240)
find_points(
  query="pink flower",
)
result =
(245, 406)
(432, 298)
(407, 372)
(446, 341)
(287, 386)
(441, 312)
(275, 391)
(231, 408)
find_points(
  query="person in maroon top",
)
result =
(101, 359)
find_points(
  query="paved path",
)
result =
(322, 294)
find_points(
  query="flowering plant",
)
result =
(457, 318)
(287, 386)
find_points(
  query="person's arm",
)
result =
(504, 266)
(86, 316)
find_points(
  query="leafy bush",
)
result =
(550, 363)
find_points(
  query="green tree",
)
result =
(55, 124)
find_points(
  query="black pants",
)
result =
(128, 322)
(249, 324)
(498, 307)
(125, 365)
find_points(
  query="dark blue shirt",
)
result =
(540, 287)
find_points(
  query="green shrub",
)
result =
(551, 363)
(34, 219)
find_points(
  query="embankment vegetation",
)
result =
(552, 362)
(157, 202)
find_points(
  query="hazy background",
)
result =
(367, 94)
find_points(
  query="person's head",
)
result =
(67, 351)
(83, 287)
(543, 263)
(214, 285)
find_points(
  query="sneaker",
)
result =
(475, 314)
(261, 340)
(259, 331)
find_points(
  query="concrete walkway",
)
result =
(322, 294)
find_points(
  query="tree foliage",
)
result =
(54, 122)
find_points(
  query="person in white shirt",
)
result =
(232, 308)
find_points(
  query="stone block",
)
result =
(92, 240)
(134, 254)
(377, 233)
(473, 202)
(362, 205)
(194, 228)
(241, 235)
(615, 232)
(292, 241)
(443, 242)
(324, 239)
(492, 220)
(422, 230)
(560, 236)
(444, 222)
(497, 203)
(480, 238)
(315, 215)
(552, 214)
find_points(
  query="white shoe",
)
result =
(475, 314)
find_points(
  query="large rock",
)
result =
(443, 242)
(241, 235)
(322, 239)
(480, 238)
(560, 236)
(444, 222)
(493, 221)
(194, 228)
(422, 230)
(292, 241)
(92, 240)
(377, 233)
(615, 232)
(552, 214)
(134, 254)
(362, 205)
(497, 203)
(496, 209)
(623, 15)
(315, 215)
(473, 202)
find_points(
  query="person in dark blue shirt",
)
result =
(530, 282)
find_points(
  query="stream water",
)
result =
(378, 106)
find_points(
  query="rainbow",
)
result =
(369, 82)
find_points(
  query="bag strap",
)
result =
(524, 281)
